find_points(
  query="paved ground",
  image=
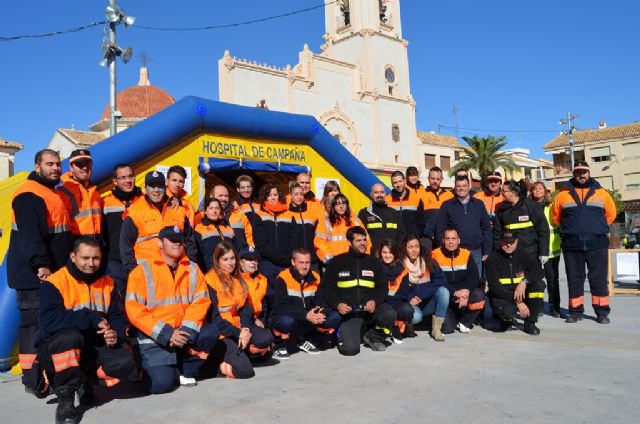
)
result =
(580, 373)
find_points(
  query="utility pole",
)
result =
(570, 128)
(111, 50)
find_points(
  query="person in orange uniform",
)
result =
(124, 193)
(389, 254)
(467, 298)
(256, 285)
(584, 210)
(303, 179)
(434, 196)
(167, 303)
(232, 313)
(491, 194)
(176, 178)
(210, 232)
(247, 201)
(145, 218)
(240, 223)
(331, 235)
(40, 244)
(82, 330)
(81, 198)
(408, 202)
(305, 221)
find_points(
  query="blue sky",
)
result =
(505, 64)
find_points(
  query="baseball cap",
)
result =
(171, 233)
(495, 175)
(508, 236)
(154, 178)
(581, 166)
(80, 154)
(248, 253)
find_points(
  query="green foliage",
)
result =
(617, 199)
(484, 155)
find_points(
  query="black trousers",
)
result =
(466, 315)
(28, 306)
(552, 275)
(69, 359)
(597, 263)
(378, 324)
(506, 309)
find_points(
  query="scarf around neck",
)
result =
(415, 271)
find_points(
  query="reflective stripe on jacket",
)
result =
(84, 205)
(229, 303)
(331, 240)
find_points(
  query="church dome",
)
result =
(140, 101)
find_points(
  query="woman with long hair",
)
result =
(331, 233)
(398, 295)
(212, 230)
(231, 311)
(274, 231)
(427, 285)
(523, 217)
(331, 190)
(540, 195)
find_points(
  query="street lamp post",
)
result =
(111, 50)
(570, 129)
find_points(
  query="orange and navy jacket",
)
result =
(584, 215)
(208, 235)
(491, 202)
(295, 295)
(432, 200)
(331, 239)
(160, 300)
(249, 207)
(398, 285)
(459, 268)
(305, 221)
(40, 232)
(411, 207)
(140, 228)
(189, 210)
(275, 236)
(84, 205)
(67, 302)
(257, 286)
(114, 205)
(232, 306)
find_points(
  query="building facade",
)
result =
(358, 87)
(8, 150)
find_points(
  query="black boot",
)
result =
(531, 329)
(66, 412)
(573, 318)
(87, 395)
(505, 325)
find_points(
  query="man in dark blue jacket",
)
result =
(470, 217)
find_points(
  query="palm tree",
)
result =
(483, 154)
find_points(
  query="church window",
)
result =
(383, 11)
(346, 12)
(395, 132)
(397, 158)
(389, 75)
(391, 90)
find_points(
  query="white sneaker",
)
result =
(188, 381)
(463, 328)
(309, 348)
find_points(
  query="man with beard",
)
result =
(237, 220)
(381, 221)
(116, 202)
(40, 244)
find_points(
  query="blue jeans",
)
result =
(476, 254)
(437, 304)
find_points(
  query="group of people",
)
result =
(140, 285)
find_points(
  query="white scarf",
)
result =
(415, 271)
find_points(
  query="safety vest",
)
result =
(149, 221)
(189, 210)
(79, 295)
(331, 240)
(221, 231)
(433, 200)
(410, 206)
(229, 303)
(84, 205)
(257, 287)
(299, 290)
(57, 214)
(554, 234)
(491, 202)
(453, 266)
(156, 297)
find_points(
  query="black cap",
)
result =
(508, 236)
(495, 175)
(581, 166)
(154, 178)
(79, 155)
(172, 233)
(249, 253)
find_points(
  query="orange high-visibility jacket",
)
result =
(491, 202)
(229, 303)
(331, 240)
(257, 286)
(84, 205)
(189, 210)
(159, 301)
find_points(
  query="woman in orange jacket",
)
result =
(231, 311)
(211, 231)
(330, 239)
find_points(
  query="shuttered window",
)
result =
(632, 181)
(601, 154)
(631, 150)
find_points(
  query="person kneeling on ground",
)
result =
(515, 285)
(81, 330)
(232, 313)
(299, 309)
(166, 303)
(466, 297)
(355, 285)
(427, 286)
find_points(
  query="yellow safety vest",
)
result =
(554, 235)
